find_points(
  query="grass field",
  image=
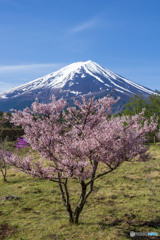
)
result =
(125, 200)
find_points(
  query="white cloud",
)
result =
(5, 86)
(15, 75)
(83, 26)
(13, 68)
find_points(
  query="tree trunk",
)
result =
(4, 178)
(4, 174)
(154, 139)
(71, 220)
(74, 216)
(76, 219)
(81, 204)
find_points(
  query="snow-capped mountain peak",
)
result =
(77, 79)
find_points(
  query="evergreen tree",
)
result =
(135, 105)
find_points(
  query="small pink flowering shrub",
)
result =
(4, 158)
(21, 143)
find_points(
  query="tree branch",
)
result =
(62, 191)
(102, 174)
(68, 205)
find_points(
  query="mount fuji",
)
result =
(75, 80)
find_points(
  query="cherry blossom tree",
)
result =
(4, 158)
(77, 142)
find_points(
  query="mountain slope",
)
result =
(77, 79)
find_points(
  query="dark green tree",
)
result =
(152, 108)
(1, 114)
(135, 105)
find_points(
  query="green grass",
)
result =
(123, 201)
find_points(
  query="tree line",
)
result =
(151, 106)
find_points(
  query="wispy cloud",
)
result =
(84, 26)
(15, 68)
(15, 75)
(5, 86)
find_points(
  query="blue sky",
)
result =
(40, 36)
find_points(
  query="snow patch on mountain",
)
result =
(76, 93)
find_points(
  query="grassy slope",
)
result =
(123, 201)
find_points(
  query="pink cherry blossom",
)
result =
(77, 140)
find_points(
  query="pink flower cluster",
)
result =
(21, 143)
(5, 154)
(83, 139)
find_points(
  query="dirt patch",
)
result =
(27, 209)
(7, 231)
(106, 222)
(50, 236)
(37, 191)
